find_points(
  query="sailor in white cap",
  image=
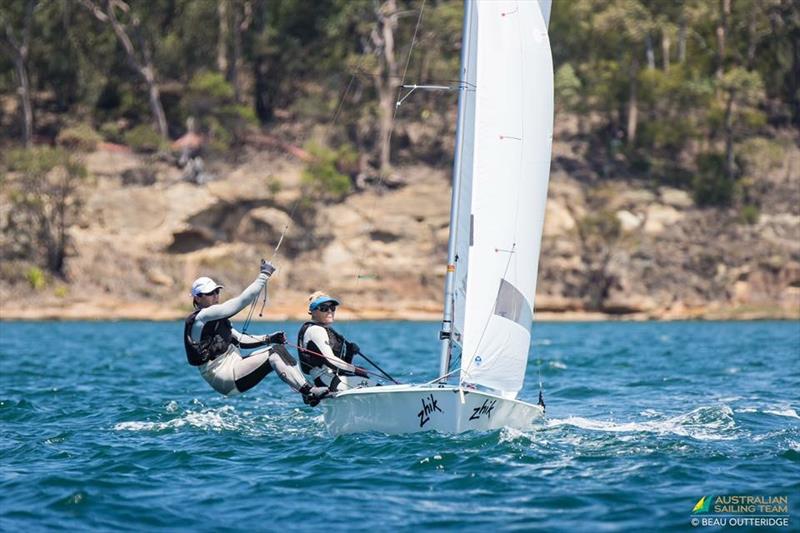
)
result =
(212, 343)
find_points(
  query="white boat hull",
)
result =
(413, 408)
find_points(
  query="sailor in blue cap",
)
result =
(326, 357)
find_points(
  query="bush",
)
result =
(210, 99)
(36, 277)
(710, 186)
(112, 132)
(44, 202)
(324, 173)
(143, 138)
(81, 137)
(749, 214)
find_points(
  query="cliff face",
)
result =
(610, 248)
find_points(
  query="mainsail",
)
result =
(505, 146)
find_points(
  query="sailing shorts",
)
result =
(223, 372)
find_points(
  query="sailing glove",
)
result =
(278, 337)
(352, 349)
(267, 267)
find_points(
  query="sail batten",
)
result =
(502, 191)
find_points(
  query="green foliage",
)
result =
(759, 155)
(612, 58)
(323, 175)
(81, 137)
(210, 100)
(749, 214)
(43, 189)
(567, 88)
(36, 278)
(62, 291)
(143, 138)
(112, 132)
(710, 186)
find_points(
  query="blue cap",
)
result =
(314, 305)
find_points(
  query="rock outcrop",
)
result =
(610, 248)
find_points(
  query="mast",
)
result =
(447, 319)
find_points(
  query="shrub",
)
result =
(749, 214)
(112, 132)
(210, 99)
(44, 202)
(710, 186)
(323, 174)
(62, 291)
(143, 138)
(36, 277)
(81, 137)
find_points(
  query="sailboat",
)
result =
(500, 176)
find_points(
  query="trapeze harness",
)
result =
(321, 368)
(215, 339)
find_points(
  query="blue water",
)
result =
(103, 426)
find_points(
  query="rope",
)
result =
(373, 374)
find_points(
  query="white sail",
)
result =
(505, 170)
(501, 169)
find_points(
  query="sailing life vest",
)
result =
(309, 355)
(215, 339)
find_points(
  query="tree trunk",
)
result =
(682, 30)
(722, 30)
(384, 76)
(665, 46)
(24, 91)
(243, 18)
(222, 38)
(730, 162)
(651, 54)
(18, 50)
(144, 66)
(633, 104)
(794, 76)
(155, 102)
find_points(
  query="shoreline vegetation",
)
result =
(674, 186)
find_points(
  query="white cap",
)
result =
(204, 285)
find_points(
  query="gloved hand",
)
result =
(352, 349)
(360, 372)
(278, 337)
(267, 267)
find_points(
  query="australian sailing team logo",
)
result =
(741, 511)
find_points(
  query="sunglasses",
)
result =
(212, 293)
(327, 307)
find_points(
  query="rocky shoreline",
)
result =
(612, 249)
(114, 310)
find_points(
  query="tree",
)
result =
(741, 91)
(141, 58)
(44, 202)
(18, 49)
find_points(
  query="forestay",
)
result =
(505, 163)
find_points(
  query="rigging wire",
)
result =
(295, 205)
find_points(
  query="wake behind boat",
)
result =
(500, 176)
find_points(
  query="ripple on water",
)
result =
(122, 435)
